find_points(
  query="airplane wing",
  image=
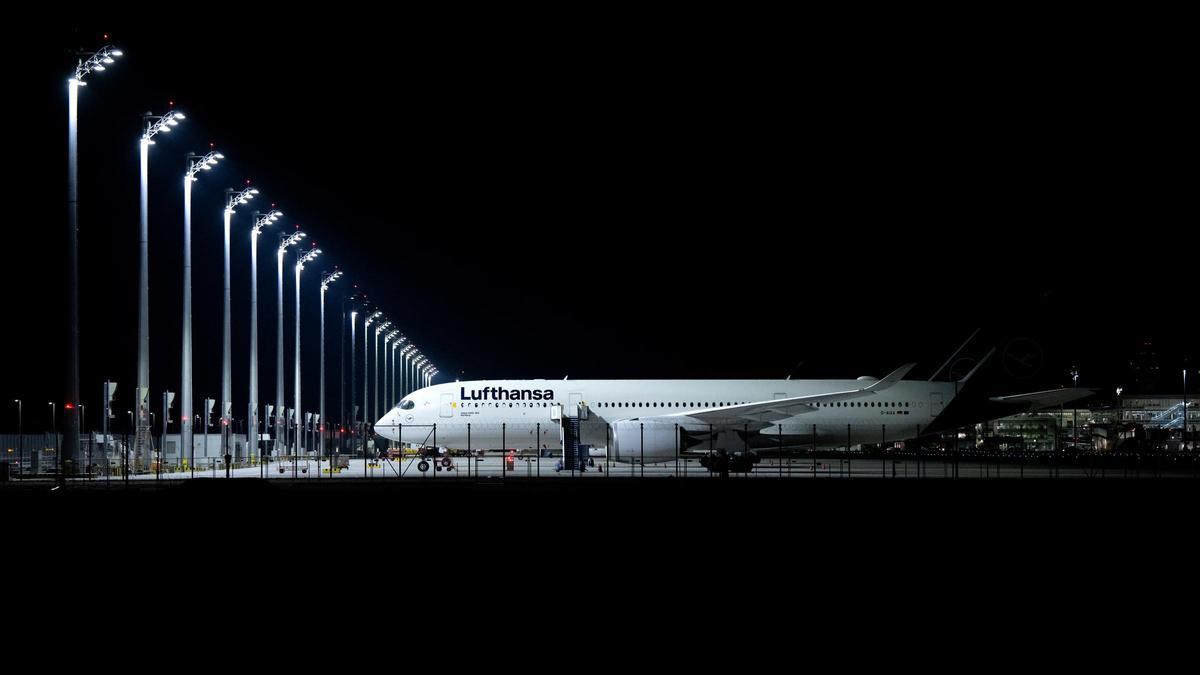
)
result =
(769, 412)
(1046, 399)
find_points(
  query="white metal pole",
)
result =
(366, 379)
(252, 420)
(279, 410)
(299, 267)
(226, 349)
(375, 407)
(142, 395)
(71, 444)
(353, 374)
(185, 393)
(321, 400)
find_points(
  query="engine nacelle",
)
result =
(645, 442)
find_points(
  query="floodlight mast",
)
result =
(261, 220)
(195, 164)
(327, 278)
(302, 257)
(153, 125)
(405, 380)
(233, 198)
(95, 61)
(285, 241)
(371, 318)
(378, 328)
(397, 374)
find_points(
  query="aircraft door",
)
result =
(574, 400)
(447, 409)
(936, 405)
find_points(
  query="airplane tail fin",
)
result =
(956, 353)
(979, 365)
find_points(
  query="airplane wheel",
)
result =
(423, 466)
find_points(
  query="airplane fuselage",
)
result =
(521, 414)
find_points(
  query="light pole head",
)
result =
(238, 197)
(328, 278)
(262, 220)
(159, 123)
(96, 61)
(286, 240)
(205, 162)
(307, 257)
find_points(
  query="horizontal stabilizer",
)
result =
(1047, 399)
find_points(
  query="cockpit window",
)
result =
(407, 404)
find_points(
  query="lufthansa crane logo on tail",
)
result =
(1023, 358)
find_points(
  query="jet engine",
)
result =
(645, 442)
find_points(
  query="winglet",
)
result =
(894, 377)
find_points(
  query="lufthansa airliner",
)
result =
(659, 420)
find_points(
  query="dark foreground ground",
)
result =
(621, 542)
(553, 507)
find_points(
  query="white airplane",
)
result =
(648, 421)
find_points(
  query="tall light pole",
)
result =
(375, 408)
(382, 395)
(417, 363)
(302, 258)
(389, 391)
(285, 240)
(389, 369)
(20, 437)
(353, 375)
(195, 164)
(397, 368)
(95, 61)
(154, 125)
(405, 354)
(261, 220)
(327, 278)
(54, 430)
(371, 318)
(232, 198)
(1075, 411)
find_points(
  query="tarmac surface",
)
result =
(494, 467)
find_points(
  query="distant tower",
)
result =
(1144, 366)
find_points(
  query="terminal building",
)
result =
(1158, 419)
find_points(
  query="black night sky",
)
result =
(609, 199)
